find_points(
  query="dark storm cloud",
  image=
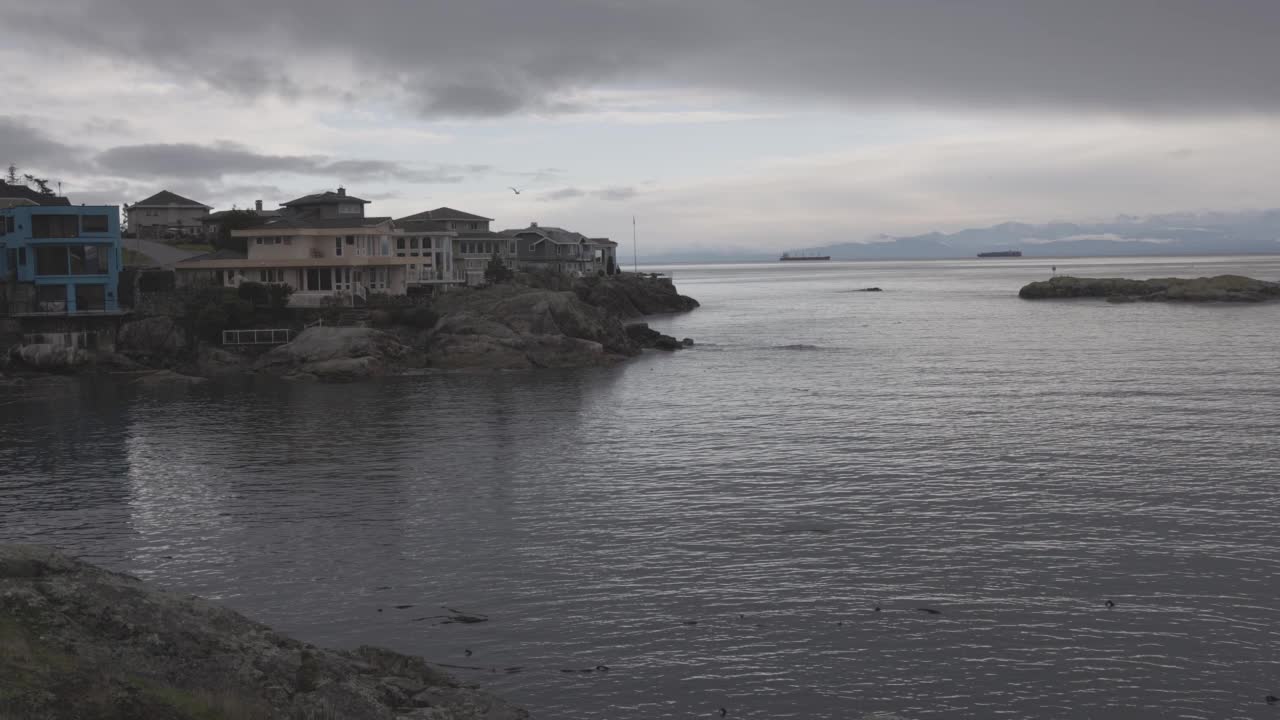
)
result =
(497, 57)
(187, 160)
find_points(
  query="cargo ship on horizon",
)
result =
(1001, 253)
(787, 257)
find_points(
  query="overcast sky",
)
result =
(763, 124)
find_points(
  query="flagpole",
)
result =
(635, 254)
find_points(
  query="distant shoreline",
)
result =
(652, 265)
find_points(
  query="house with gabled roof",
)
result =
(214, 220)
(553, 248)
(474, 244)
(166, 214)
(18, 195)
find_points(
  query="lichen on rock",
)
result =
(77, 641)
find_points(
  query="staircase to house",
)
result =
(353, 317)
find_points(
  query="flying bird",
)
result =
(514, 190)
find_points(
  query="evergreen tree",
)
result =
(497, 271)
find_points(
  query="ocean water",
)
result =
(818, 453)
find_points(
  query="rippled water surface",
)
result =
(942, 444)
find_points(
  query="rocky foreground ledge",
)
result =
(1222, 288)
(78, 642)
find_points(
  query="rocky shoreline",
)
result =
(537, 321)
(77, 641)
(1221, 288)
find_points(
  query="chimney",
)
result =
(257, 205)
(342, 191)
(533, 224)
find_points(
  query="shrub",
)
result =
(255, 293)
(279, 295)
(210, 321)
(157, 281)
(423, 318)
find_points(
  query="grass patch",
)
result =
(206, 704)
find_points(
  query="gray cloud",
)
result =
(191, 161)
(29, 148)
(1174, 56)
(568, 193)
(613, 194)
(616, 193)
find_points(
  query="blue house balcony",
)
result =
(60, 260)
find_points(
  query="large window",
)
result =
(88, 260)
(51, 260)
(319, 279)
(90, 298)
(51, 298)
(55, 226)
(93, 223)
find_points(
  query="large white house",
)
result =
(323, 246)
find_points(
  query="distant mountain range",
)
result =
(1214, 233)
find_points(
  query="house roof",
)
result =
(415, 224)
(164, 198)
(220, 254)
(602, 241)
(286, 222)
(22, 192)
(445, 213)
(559, 236)
(327, 197)
(216, 216)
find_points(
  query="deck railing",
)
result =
(275, 336)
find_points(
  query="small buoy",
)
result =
(602, 668)
(877, 608)
(1110, 604)
(723, 712)
(468, 652)
(1272, 699)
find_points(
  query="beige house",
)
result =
(323, 246)
(166, 214)
(474, 245)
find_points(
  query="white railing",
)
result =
(277, 336)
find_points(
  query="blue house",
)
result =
(60, 260)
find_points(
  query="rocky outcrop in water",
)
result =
(646, 337)
(511, 327)
(1222, 288)
(158, 341)
(80, 642)
(51, 358)
(338, 354)
(633, 295)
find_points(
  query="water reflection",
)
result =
(817, 453)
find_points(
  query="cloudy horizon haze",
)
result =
(736, 124)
